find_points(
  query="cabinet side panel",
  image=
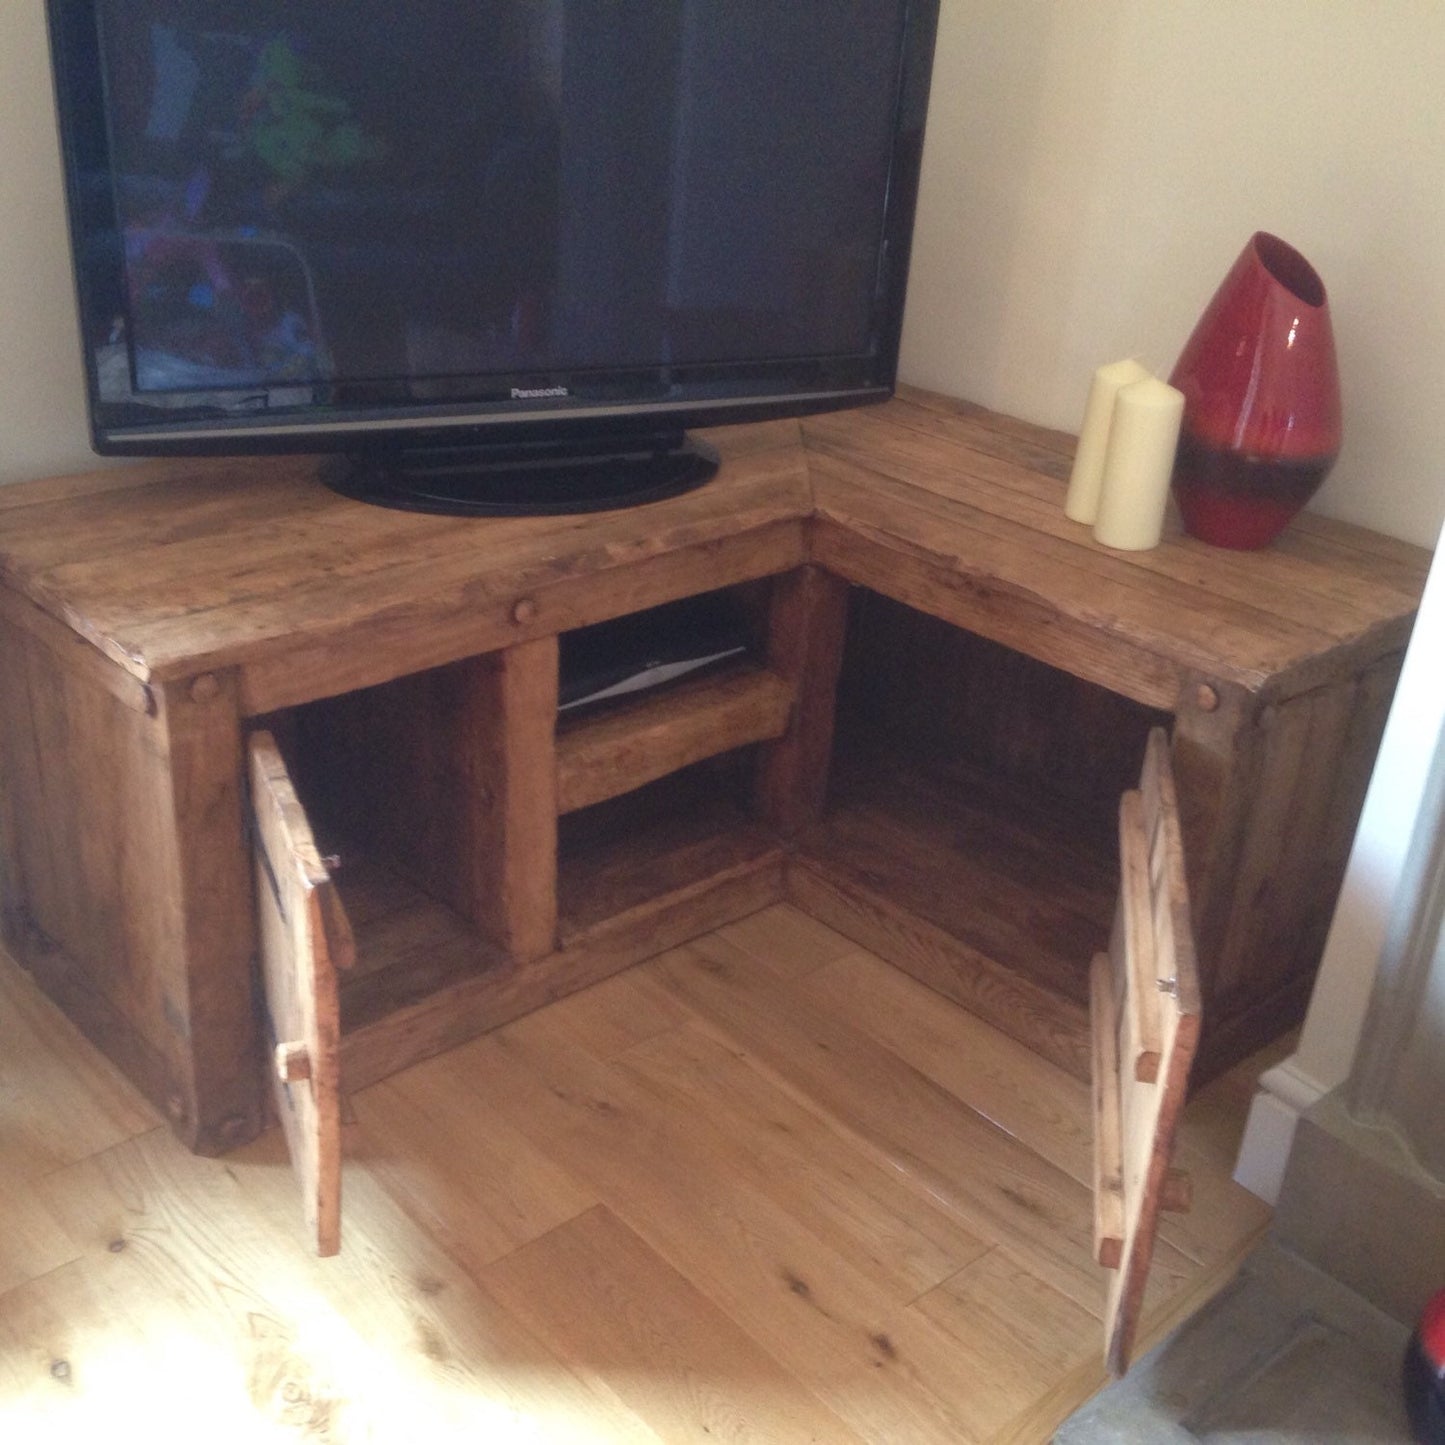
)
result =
(24, 844)
(1312, 760)
(143, 939)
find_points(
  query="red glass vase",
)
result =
(1261, 399)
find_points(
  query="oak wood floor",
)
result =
(762, 1188)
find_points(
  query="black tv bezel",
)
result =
(604, 406)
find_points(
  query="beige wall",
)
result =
(42, 406)
(1094, 166)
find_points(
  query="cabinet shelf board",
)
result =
(662, 839)
(988, 891)
(602, 755)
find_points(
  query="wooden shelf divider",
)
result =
(611, 753)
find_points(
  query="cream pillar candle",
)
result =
(1137, 465)
(1082, 502)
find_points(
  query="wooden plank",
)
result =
(1046, 1022)
(672, 1176)
(377, 1047)
(395, 1335)
(447, 775)
(305, 939)
(1004, 468)
(994, 865)
(1046, 449)
(486, 613)
(22, 829)
(616, 1311)
(196, 1258)
(206, 901)
(1149, 1110)
(1003, 501)
(1136, 940)
(1108, 1145)
(915, 686)
(1008, 1327)
(513, 868)
(991, 1184)
(76, 653)
(877, 556)
(613, 752)
(807, 624)
(225, 555)
(778, 1144)
(145, 941)
(1116, 605)
(480, 1191)
(312, 577)
(672, 834)
(63, 1099)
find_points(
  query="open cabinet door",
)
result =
(304, 939)
(1145, 1018)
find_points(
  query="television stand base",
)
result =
(526, 479)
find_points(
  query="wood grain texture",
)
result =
(1108, 1117)
(193, 1300)
(600, 756)
(304, 940)
(807, 627)
(1148, 1001)
(617, 1312)
(308, 593)
(619, 1220)
(227, 542)
(151, 611)
(444, 777)
(384, 1040)
(145, 941)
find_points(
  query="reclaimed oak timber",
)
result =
(447, 775)
(143, 938)
(894, 554)
(304, 940)
(543, 602)
(1011, 476)
(475, 1003)
(807, 626)
(1108, 1116)
(614, 751)
(512, 892)
(71, 650)
(1150, 1000)
(150, 613)
(308, 593)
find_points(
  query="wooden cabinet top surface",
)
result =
(180, 567)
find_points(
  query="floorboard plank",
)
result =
(196, 1308)
(995, 1186)
(764, 1187)
(838, 1191)
(675, 1180)
(621, 1317)
(60, 1100)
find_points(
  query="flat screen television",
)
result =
(497, 254)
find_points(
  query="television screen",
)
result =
(297, 220)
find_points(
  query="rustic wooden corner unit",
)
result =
(949, 689)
